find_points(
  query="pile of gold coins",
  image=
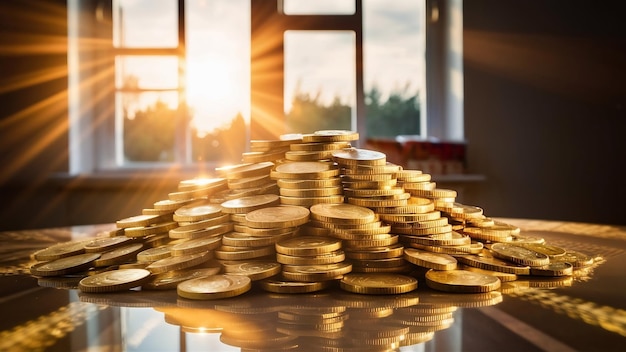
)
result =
(302, 214)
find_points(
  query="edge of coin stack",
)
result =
(301, 214)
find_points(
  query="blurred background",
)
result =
(106, 104)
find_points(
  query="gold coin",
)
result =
(454, 239)
(553, 269)
(407, 229)
(435, 193)
(269, 232)
(360, 169)
(430, 260)
(249, 203)
(495, 264)
(368, 178)
(201, 192)
(171, 279)
(319, 146)
(153, 254)
(202, 232)
(170, 205)
(310, 201)
(519, 255)
(199, 183)
(255, 270)
(393, 251)
(277, 143)
(311, 192)
(374, 233)
(411, 217)
(61, 250)
(463, 211)
(356, 156)
(259, 157)
(197, 211)
(249, 182)
(142, 220)
(577, 259)
(239, 239)
(243, 253)
(245, 170)
(377, 202)
(330, 136)
(197, 245)
(461, 281)
(316, 272)
(178, 263)
(547, 249)
(332, 182)
(308, 245)
(409, 176)
(65, 266)
(378, 283)
(365, 184)
(278, 216)
(504, 277)
(119, 255)
(391, 240)
(278, 286)
(214, 287)
(151, 211)
(411, 186)
(304, 170)
(365, 192)
(294, 155)
(114, 280)
(342, 213)
(327, 258)
(150, 230)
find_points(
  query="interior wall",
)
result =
(545, 107)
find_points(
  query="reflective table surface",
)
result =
(584, 312)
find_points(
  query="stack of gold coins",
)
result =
(312, 259)
(305, 183)
(245, 179)
(369, 181)
(367, 242)
(270, 150)
(313, 322)
(319, 147)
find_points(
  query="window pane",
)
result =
(394, 67)
(146, 72)
(145, 126)
(319, 7)
(320, 80)
(145, 23)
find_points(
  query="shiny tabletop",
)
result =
(582, 312)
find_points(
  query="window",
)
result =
(161, 83)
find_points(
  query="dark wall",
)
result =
(545, 107)
(33, 109)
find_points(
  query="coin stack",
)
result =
(305, 183)
(245, 180)
(270, 150)
(367, 242)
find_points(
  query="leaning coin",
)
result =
(378, 283)
(519, 255)
(461, 281)
(114, 280)
(553, 269)
(61, 250)
(64, 266)
(214, 287)
(437, 261)
(179, 262)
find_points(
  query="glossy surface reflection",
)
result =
(583, 312)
